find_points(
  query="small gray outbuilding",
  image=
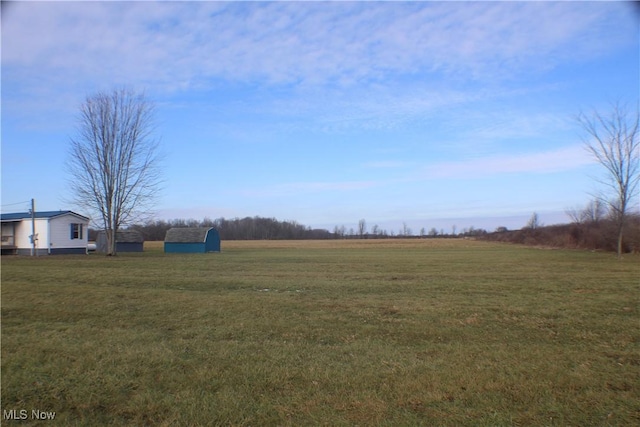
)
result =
(126, 241)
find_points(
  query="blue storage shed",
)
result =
(192, 240)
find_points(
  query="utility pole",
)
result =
(33, 228)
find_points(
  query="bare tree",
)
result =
(406, 231)
(362, 228)
(113, 160)
(592, 213)
(613, 140)
(534, 222)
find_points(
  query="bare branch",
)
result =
(113, 161)
(614, 142)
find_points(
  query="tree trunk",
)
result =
(620, 233)
(111, 242)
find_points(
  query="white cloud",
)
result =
(387, 164)
(559, 160)
(303, 188)
(346, 66)
(178, 45)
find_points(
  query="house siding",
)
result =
(60, 229)
(23, 231)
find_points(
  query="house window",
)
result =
(76, 231)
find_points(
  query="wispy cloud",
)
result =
(342, 65)
(387, 164)
(303, 188)
(562, 159)
(182, 44)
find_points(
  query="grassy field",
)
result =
(389, 332)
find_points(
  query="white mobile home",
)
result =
(56, 232)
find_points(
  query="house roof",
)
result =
(187, 235)
(127, 236)
(6, 217)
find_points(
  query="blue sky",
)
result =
(430, 113)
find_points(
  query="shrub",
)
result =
(600, 235)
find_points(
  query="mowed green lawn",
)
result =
(387, 332)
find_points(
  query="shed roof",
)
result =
(17, 216)
(127, 236)
(187, 235)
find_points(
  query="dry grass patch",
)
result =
(407, 332)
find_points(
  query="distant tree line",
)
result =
(405, 232)
(249, 228)
(261, 228)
